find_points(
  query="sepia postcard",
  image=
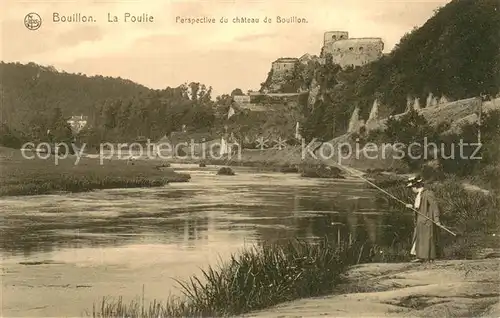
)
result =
(250, 158)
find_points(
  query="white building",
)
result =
(77, 123)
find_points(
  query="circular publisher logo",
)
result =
(32, 21)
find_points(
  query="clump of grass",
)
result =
(174, 307)
(473, 216)
(467, 211)
(255, 279)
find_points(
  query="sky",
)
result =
(167, 53)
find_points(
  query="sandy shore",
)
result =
(462, 288)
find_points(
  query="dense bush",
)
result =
(448, 158)
(411, 128)
(10, 138)
(472, 163)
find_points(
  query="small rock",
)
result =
(226, 171)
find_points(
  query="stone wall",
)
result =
(354, 52)
(332, 36)
(254, 107)
(241, 99)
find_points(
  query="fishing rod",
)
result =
(389, 194)
(395, 198)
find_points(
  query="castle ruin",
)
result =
(345, 51)
(284, 65)
(352, 52)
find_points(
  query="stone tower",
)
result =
(351, 52)
(333, 36)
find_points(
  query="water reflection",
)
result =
(115, 242)
(258, 206)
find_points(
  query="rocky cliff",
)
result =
(424, 70)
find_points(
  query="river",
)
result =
(63, 253)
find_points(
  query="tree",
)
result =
(413, 132)
(194, 89)
(9, 138)
(31, 91)
(60, 130)
(237, 92)
(466, 160)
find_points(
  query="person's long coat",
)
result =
(426, 234)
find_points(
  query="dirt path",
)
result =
(442, 289)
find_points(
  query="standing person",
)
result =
(426, 233)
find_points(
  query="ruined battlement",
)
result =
(284, 64)
(344, 51)
(333, 36)
(352, 52)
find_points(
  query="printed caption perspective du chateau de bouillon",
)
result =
(250, 158)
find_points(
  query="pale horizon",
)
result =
(165, 53)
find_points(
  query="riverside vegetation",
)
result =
(265, 276)
(408, 69)
(21, 176)
(254, 279)
(458, 41)
(271, 274)
(472, 215)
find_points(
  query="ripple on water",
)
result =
(117, 240)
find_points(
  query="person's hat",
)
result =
(414, 181)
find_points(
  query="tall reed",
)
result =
(254, 279)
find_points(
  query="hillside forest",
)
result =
(454, 54)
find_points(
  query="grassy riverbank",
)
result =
(267, 159)
(252, 280)
(472, 215)
(269, 275)
(22, 176)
